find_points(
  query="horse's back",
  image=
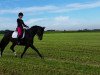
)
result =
(8, 33)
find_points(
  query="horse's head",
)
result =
(37, 30)
(40, 32)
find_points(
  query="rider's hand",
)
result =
(26, 26)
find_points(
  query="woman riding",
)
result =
(20, 25)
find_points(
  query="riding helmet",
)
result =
(20, 14)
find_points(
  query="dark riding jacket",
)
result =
(20, 23)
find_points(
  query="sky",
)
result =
(52, 14)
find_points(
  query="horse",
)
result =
(27, 41)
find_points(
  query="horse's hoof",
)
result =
(15, 55)
(42, 57)
(21, 56)
(0, 56)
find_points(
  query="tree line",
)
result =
(49, 31)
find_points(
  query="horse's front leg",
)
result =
(33, 47)
(26, 47)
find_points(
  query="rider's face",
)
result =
(20, 17)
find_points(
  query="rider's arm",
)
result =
(24, 24)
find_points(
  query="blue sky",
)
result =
(53, 14)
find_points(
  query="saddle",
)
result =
(15, 33)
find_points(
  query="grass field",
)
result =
(64, 53)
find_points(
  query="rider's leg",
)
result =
(19, 39)
(19, 34)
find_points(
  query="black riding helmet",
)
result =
(20, 14)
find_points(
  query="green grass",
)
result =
(64, 53)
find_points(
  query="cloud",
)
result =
(77, 6)
(63, 23)
(28, 9)
(53, 8)
(34, 20)
(7, 23)
(57, 23)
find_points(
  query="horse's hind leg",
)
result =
(12, 48)
(4, 44)
(2, 49)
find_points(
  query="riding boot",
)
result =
(19, 39)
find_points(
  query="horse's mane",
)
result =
(35, 26)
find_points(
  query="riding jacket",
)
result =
(20, 23)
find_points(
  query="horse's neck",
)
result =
(32, 32)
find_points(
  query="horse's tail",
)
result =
(0, 48)
(0, 44)
(5, 40)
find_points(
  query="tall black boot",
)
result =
(19, 39)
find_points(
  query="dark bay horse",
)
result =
(27, 41)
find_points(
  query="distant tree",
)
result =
(50, 30)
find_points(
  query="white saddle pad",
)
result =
(15, 34)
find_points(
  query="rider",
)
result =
(20, 25)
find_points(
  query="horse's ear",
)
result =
(43, 27)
